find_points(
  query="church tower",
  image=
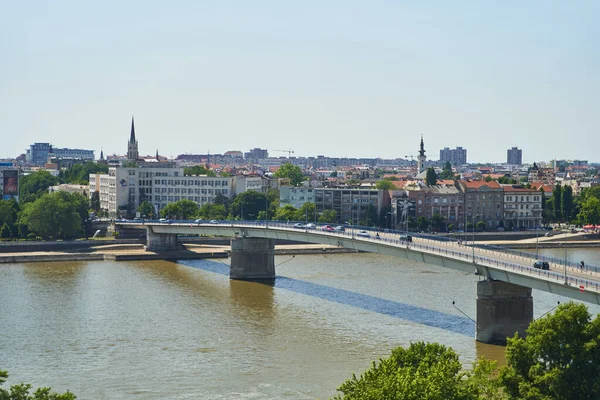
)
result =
(422, 157)
(132, 146)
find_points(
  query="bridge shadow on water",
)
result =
(407, 312)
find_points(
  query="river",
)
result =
(163, 330)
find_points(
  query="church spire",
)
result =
(157, 159)
(132, 135)
(422, 158)
(422, 150)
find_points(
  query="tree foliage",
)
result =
(559, 359)
(250, 203)
(23, 392)
(567, 203)
(55, 216)
(181, 209)
(557, 202)
(146, 209)
(437, 221)
(430, 176)
(79, 173)
(328, 216)
(385, 184)
(447, 171)
(292, 172)
(198, 170)
(35, 185)
(590, 211)
(212, 211)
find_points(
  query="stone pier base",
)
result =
(502, 309)
(160, 242)
(252, 258)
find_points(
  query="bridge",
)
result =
(504, 301)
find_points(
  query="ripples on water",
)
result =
(156, 330)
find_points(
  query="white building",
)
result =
(522, 207)
(123, 189)
(295, 196)
(244, 183)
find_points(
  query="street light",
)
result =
(473, 244)
(566, 279)
(391, 215)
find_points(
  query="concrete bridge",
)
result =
(504, 301)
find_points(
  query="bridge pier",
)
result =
(502, 309)
(160, 242)
(252, 258)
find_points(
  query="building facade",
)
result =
(123, 189)
(484, 201)
(446, 200)
(456, 156)
(522, 207)
(351, 204)
(296, 196)
(38, 153)
(514, 156)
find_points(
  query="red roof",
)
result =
(479, 184)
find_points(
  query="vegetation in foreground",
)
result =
(558, 360)
(23, 391)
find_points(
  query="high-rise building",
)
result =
(132, 145)
(38, 153)
(514, 156)
(256, 154)
(456, 156)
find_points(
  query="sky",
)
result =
(341, 78)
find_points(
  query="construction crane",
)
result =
(412, 158)
(289, 151)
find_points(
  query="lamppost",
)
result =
(266, 209)
(566, 279)
(473, 244)
(390, 214)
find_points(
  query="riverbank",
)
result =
(136, 252)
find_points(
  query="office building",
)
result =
(514, 156)
(38, 153)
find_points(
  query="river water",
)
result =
(163, 330)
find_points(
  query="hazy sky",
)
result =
(339, 78)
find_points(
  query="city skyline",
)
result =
(341, 79)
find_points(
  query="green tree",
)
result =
(590, 211)
(566, 203)
(198, 170)
(292, 172)
(557, 202)
(385, 184)
(95, 202)
(488, 178)
(480, 226)
(35, 185)
(79, 173)
(369, 217)
(212, 211)
(437, 222)
(181, 209)
(9, 213)
(286, 213)
(146, 210)
(23, 392)
(5, 231)
(54, 215)
(424, 371)
(559, 359)
(328, 216)
(307, 212)
(447, 171)
(430, 176)
(422, 223)
(251, 203)
(222, 200)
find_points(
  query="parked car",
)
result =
(363, 234)
(541, 265)
(310, 226)
(406, 238)
(339, 229)
(299, 226)
(327, 228)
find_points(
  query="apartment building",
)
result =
(483, 202)
(351, 204)
(522, 207)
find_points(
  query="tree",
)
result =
(221, 200)
(422, 223)
(480, 226)
(198, 170)
(557, 202)
(307, 212)
(212, 211)
(488, 178)
(292, 172)
(95, 202)
(430, 176)
(447, 171)
(35, 185)
(5, 232)
(286, 213)
(590, 211)
(9, 213)
(437, 222)
(79, 173)
(424, 371)
(559, 358)
(181, 209)
(146, 210)
(328, 216)
(250, 203)
(23, 392)
(567, 203)
(385, 184)
(54, 215)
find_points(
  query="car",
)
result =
(339, 229)
(327, 228)
(213, 221)
(299, 226)
(541, 265)
(137, 219)
(163, 220)
(363, 234)
(406, 238)
(198, 221)
(310, 226)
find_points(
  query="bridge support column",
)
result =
(252, 258)
(502, 309)
(160, 242)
